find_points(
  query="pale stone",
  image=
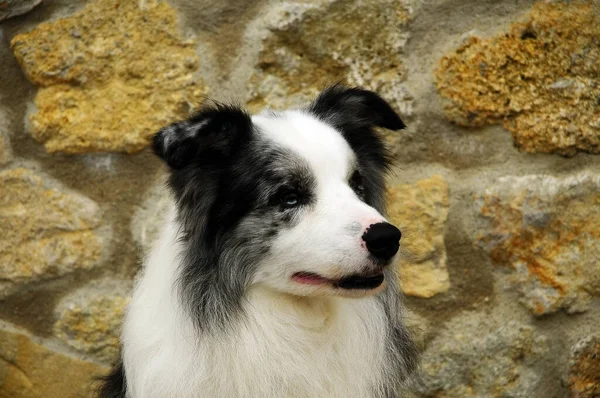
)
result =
(545, 229)
(31, 370)
(539, 80)
(110, 76)
(420, 210)
(46, 230)
(313, 45)
(90, 318)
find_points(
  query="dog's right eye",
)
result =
(290, 199)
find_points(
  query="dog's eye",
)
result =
(290, 199)
(356, 183)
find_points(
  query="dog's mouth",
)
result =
(356, 281)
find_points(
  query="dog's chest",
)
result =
(304, 350)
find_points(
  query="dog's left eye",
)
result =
(290, 199)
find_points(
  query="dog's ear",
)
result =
(340, 105)
(210, 135)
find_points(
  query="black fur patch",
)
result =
(113, 385)
(208, 137)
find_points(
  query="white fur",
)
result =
(308, 344)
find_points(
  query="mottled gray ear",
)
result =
(339, 104)
(209, 136)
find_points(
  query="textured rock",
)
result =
(110, 76)
(540, 80)
(420, 211)
(12, 8)
(5, 151)
(483, 355)
(546, 230)
(30, 370)
(89, 319)
(46, 232)
(313, 45)
(150, 216)
(584, 368)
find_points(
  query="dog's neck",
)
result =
(311, 313)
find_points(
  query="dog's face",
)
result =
(325, 202)
(289, 200)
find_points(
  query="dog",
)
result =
(272, 275)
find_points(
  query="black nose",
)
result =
(383, 240)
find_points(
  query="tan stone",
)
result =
(539, 80)
(89, 319)
(46, 232)
(545, 229)
(12, 8)
(584, 368)
(313, 45)
(31, 370)
(420, 210)
(110, 75)
(5, 150)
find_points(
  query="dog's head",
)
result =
(291, 200)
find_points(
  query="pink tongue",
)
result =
(309, 279)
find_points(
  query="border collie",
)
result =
(271, 276)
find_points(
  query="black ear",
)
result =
(341, 105)
(210, 135)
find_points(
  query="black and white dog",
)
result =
(271, 277)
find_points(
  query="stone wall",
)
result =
(496, 184)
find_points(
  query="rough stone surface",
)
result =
(46, 232)
(483, 355)
(313, 45)
(110, 76)
(12, 8)
(545, 229)
(89, 319)
(540, 80)
(5, 150)
(150, 216)
(420, 210)
(584, 368)
(31, 370)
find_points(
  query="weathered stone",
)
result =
(46, 231)
(584, 368)
(5, 151)
(89, 319)
(313, 45)
(546, 230)
(110, 76)
(12, 8)
(31, 370)
(539, 80)
(482, 355)
(420, 211)
(150, 216)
